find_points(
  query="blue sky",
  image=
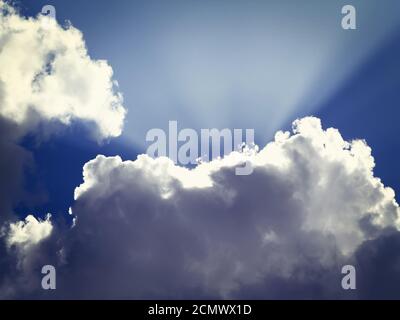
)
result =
(218, 64)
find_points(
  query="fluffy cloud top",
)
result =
(332, 178)
(160, 231)
(46, 74)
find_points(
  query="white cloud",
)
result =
(25, 234)
(46, 74)
(25, 250)
(309, 204)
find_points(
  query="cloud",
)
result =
(377, 262)
(150, 229)
(46, 75)
(47, 78)
(30, 232)
(14, 159)
(23, 251)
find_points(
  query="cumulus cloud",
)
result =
(30, 232)
(47, 78)
(47, 75)
(150, 229)
(23, 251)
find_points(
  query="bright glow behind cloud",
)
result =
(238, 65)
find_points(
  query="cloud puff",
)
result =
(30, 232)
(22, 253)
(150, 229)
(47, 75)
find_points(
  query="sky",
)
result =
(79, 94)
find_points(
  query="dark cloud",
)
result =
(378, 267)
(14, 160)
